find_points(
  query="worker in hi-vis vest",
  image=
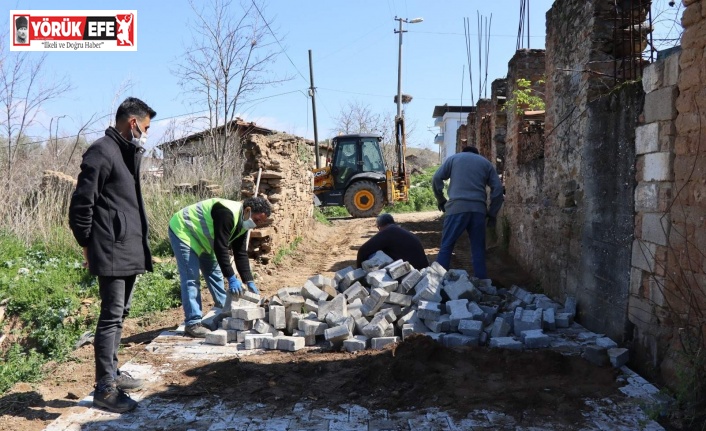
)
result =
(201, 235)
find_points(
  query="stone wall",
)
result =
(570, 212)
(287, 181)
(668, 277)
(523, 182)
(498, 124)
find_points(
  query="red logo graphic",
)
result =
(126, 32)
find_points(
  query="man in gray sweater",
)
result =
(467, 208)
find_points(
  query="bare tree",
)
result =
(24, 89)
(226, 62)
(357, 117)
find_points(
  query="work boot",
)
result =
(107, 396)
(197, 330)
(126, 382)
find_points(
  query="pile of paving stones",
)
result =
(386, 300)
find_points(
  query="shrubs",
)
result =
(56, 300)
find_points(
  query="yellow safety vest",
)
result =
(194, 224)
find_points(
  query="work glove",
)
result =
(440, 203)
(491, 222)
(253, 288)
(234, 285)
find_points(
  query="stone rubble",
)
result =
(386, 301)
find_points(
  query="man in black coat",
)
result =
(108, 219)
(395, 242)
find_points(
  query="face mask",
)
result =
(249, 224)
(142, 140)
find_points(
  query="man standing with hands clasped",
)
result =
(108, 219)
(466, 209)
(201, 235)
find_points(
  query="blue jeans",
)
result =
(454, 225)
(189, 264)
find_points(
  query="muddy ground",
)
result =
(417, 373)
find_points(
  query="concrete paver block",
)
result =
(472, 328)
(500, 328)
(398, 269)
(378, 260)
(263, 327)
(377, 327)
(563, 320)
(527, 319)
(505, 343)
(477, 313)
(252, 313)
(338, 276)
(218, 337)
(236, 324)
(606, 342)
(380, 342)
(374, 301)
(256, 341)
(618, 356)
(290, 344)
(399, 299)
(442, 324)
(461, 289)
(337, 333)
(310, 291)
(351, 277)
(312, 327)
(358, 342)
(428, 288)
(278, 316)
(428, 310)
(457, 340)
(535, 339)
(548, 319)
(338, 305)
(356, 291)
(410, 280)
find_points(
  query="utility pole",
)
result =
(313, 110)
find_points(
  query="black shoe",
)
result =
(107, 396)
(196, 331)
(126, 382)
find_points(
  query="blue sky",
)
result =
(354, 53)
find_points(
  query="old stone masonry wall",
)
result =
(668, 277)
(286, 181)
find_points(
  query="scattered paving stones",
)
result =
(386, 301)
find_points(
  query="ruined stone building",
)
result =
(605, 190)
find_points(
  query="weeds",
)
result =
(56, 300)
(287, 250)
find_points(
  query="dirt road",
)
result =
(417, 373)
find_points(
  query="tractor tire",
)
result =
(363, 199)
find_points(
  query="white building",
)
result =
(448, 119)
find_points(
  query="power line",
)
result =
(277, 40)
(187, 114)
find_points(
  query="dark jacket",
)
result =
(223, 220)
(397, 243)
(107, 212)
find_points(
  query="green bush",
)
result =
(421, 194)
